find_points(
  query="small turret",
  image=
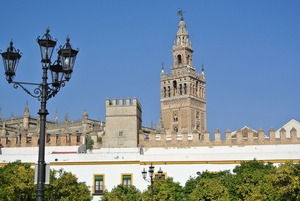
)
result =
(26, 116)
(56, 116)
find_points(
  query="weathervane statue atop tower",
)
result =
(180, 14)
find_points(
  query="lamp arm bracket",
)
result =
(51, 92)
(37, 92)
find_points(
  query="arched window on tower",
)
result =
(174, 87)
(164, 92)
(188, 60)
(169, 91)
(179, 61)
(180, 89)
(184, 89)
(175, 118)
(175, 129)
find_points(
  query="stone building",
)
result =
(123, 123)
(23, 131)
(180, 145)
(183, 102)
(182, 122)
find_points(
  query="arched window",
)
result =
(180, 89)
(164, 92)
(174, 87)
(175, 118)
(179, 61)
(184, 89)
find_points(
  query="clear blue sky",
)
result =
(250, 50)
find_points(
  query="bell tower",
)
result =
(183, 101)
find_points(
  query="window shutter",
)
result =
(99, 178)
(126, 176)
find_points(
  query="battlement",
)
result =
(121, 101)
(240, 137)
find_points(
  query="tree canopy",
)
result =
(17, 183)
(252, 180)
(122, 193)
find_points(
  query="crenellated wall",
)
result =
(240, 137)
(123, 122)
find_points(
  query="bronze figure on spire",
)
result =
(180, 14)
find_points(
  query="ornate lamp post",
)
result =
(151, 172)
(61, 72)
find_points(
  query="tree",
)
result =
(122, 193)
(64, 186)
(164, 189)
(206, 186)
(16, 182)
(248, 181)
(209, 190)
(89, 143)
(190, 185)
(283, 183)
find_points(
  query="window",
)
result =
(77, 138)
(120, 133)
(179, 59)
(180, 89)
(147, 137)
(99, 185)
(7, 140)
(48, 138)
(126, 179)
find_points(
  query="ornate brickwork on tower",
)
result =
(183, 102)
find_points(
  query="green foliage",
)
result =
(247, 181)
(64, 186)
(253, 180)
(164, 189)
(283, 183)
(190, 185)
(16, 182)
(122, 193)
(209, 189)
(99, 139)
(89, 143)
(206, 186)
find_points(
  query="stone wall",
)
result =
(123, 122)
(240, 137)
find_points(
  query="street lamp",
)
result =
(151, 172)
(61, 71)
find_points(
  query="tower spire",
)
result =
(182, 38)
(56, 116)
(162, 68)
(26, 110)
(183, 101)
